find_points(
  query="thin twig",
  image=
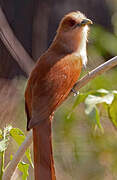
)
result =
(82, 82)
(17, 157)
(14, 46)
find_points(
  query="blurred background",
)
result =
(80, 152)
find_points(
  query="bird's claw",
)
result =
(74, 92)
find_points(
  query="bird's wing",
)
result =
(50, 91)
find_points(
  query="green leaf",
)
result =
(80, 98)
(92, 100)
(19, 137)
(102, 91)
(91, 109)
(114, 91)
(28, 155)
(1, 136)
(95, 116)
(112, 111)
(23, 167)
(11, 157)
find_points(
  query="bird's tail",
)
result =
(43, 156)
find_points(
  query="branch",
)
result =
(95, 72)
(14, 46)
(82, 82)
(17, 157)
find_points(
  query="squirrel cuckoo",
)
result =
(49, 84)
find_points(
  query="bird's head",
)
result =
(73, 29)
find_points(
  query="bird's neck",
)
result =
(60, 47)
(69, 45)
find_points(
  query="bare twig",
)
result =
(17, 157)
(14, 46)
(82, 82)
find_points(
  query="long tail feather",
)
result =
(43, 156)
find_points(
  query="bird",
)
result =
(50, 82)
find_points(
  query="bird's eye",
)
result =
(71, 22)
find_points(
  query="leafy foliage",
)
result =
(23, 167)
(112, 111)
(84, 135)
(92, 100)
(17, 135)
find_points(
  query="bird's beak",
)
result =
(86, 22)
(83, 23)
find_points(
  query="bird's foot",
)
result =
(74, 92)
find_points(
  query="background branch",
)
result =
(14, 46)
(82, 82)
